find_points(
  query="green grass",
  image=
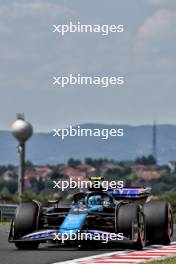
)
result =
(4, 223)
(171, 260)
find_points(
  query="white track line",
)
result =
(127, 256)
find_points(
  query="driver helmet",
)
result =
(95, 200)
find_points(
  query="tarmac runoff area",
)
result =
(51, 254)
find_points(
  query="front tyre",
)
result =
(27, 220)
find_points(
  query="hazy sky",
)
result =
(30, 54)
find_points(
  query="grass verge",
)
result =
(170, 260)
(4, 223)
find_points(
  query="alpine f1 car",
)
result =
(128, 212)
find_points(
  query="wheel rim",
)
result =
(142, 229)
(170, 224)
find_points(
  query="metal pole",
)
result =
(1, 215)
(22, 131)
(21, 151)
(154, 150)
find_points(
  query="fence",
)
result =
(7, 212)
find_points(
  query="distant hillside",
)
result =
(43, 148)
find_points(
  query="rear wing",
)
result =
(130, 193)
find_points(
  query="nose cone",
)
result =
(73, 223)
(22, 130)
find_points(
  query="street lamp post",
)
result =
(22, 131)
(21, 151)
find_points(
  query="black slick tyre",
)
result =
(159, 222)
(130, 221)
(26, 221)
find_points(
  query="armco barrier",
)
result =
(7, 212)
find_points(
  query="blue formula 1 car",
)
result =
(129, 214)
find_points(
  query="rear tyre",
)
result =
(159, 222)
(130, 221)
(26, 221)
(141, 233)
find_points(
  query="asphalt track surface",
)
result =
(46, 254)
